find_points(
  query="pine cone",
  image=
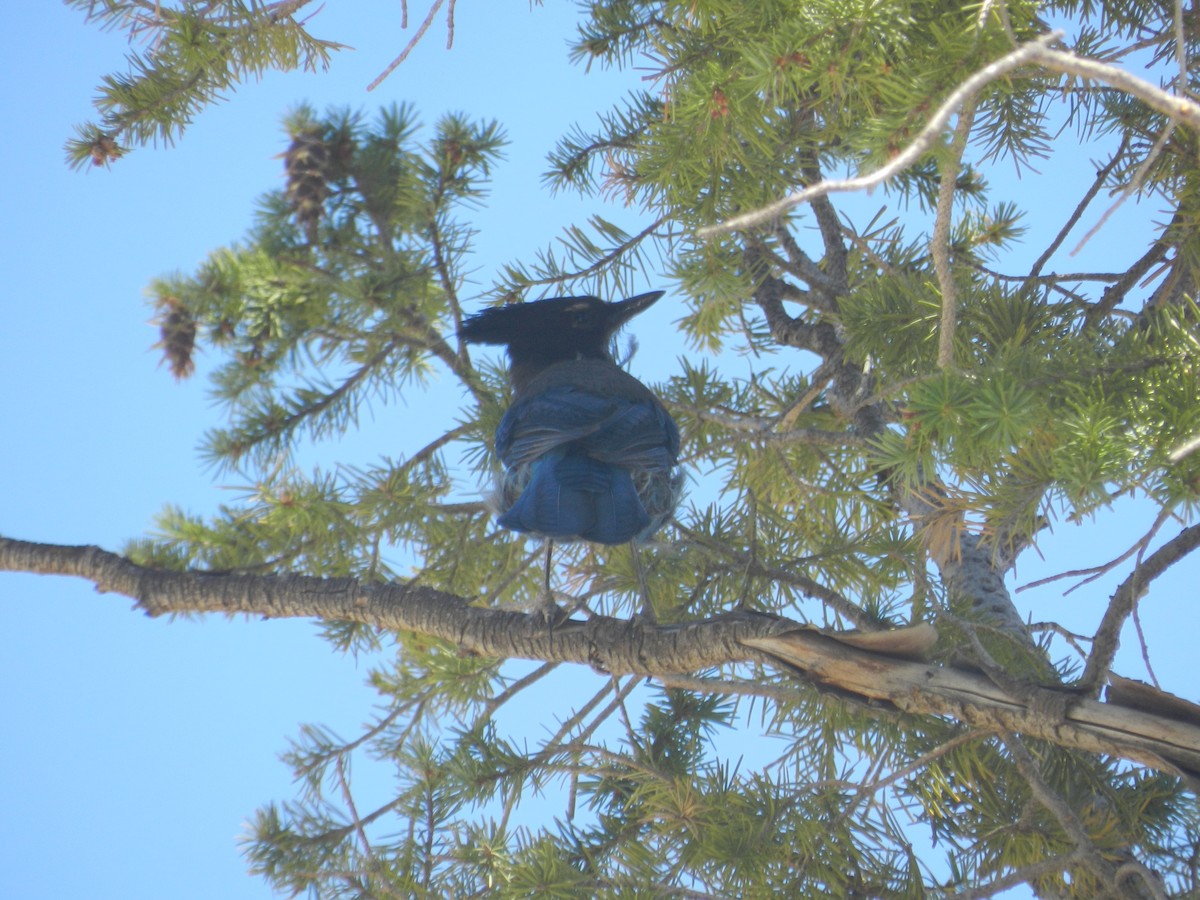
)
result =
(309, 165)
(178, 335)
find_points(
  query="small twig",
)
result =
(354, 817)
(395, 63)
(489, 708)
(1137, 625)
(1095, 572)
(1185, 449)
(601, 263)
(1135, 184)
(818, 382)
(1101, 177)
(785, 693)
(1054, 279)
(559, 736)
(1026, 875)
(1069, 636)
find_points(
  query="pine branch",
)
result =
(1086, 851)
(198, 52)
(940, 245)
(616, 646)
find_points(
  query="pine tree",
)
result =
(917, 413)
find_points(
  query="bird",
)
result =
(589, 453)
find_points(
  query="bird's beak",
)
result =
(624, 310)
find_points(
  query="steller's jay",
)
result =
(589, 452)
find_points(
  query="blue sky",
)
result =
(132, 749)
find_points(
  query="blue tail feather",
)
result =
(571, 496)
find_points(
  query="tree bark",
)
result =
(870, 671)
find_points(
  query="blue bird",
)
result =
(589, 452)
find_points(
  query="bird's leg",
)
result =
(547, 607)
(647, 613)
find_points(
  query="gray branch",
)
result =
(864, 666)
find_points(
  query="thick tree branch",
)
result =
(634, 648)
(612, 645)
(1159, 742)
(1108, 635)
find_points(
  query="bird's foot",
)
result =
(548, 610)
(645, 616)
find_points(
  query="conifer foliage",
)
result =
(912, 408)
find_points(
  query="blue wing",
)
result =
(632, 433)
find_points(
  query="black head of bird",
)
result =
(590, 453)
(557, 329)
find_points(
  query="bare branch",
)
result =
(416, 38)
(906, 157)
(1135, 185)
(355, 821)
(515, 688)
(1175, 106)
(1187, 448)
(1095, 572)
(1108, 635)
(1101, 177)
(1020, 876)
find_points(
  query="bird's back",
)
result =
(590, 454)
(589, 451)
